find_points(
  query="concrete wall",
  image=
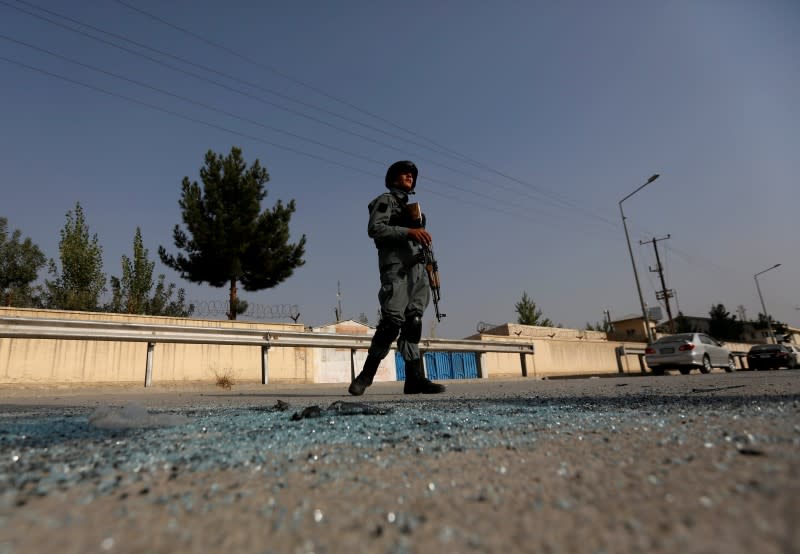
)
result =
(559, 352)
(556, 357)
(76, 361)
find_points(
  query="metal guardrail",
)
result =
(621, 351)
(152, 334)
(740, 355)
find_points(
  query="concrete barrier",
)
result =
(565, 353)
(48, 361)
(47, 347)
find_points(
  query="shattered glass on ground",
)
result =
(52, 448)
(631, 465)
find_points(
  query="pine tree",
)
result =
(20, 262)
(228, 240)
(81, 281)
(529, 314)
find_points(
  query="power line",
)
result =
(249, 120)
(692, 260)
(554, 196)
(189, 100)
(257, 98)
(286, 76)
(490, 198)
(180, 70)
(183, 116)
(207, 106)
(233, 115)
(197, 65)
(252, 137)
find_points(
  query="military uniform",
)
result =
(404, 292)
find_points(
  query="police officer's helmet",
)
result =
(401, 167)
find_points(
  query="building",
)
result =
(334, 364)
(631, 328)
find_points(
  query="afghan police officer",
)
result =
(404, 292)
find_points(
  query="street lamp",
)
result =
(763, 307)
(633, 263)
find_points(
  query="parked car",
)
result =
(685, 351)
(770, 356)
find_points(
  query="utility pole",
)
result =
(339, 301)
(665, 293)
(763, 306)
(607, 319)
(648, 331)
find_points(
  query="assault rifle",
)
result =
(431, 265)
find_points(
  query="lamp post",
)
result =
(633, 262)
(763, 307)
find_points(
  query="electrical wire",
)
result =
(253, 137)
(254, 97)
(183, 116)
(288, 77)
(230, 114)
(199, 65)
(190, 100)
(543, 191)
(553, 196)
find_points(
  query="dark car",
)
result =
(770, 356)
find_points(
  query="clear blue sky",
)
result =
(544, 115)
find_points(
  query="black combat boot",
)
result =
(416, 382)
(364, 379)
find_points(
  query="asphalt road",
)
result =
(699, 463)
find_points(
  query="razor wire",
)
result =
(220, 308)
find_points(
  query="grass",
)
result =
(225, 379)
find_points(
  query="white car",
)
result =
(795, 351)
(685, 351)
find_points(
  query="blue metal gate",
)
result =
(443, 365)
(400, 364)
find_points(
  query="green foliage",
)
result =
(528, 314)
(227, 238)
(723, 325)
(131, 292)
(241, 307)
(20, 262)
(161, 303)
(777, 327)
(81, 281)
(604, 327)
